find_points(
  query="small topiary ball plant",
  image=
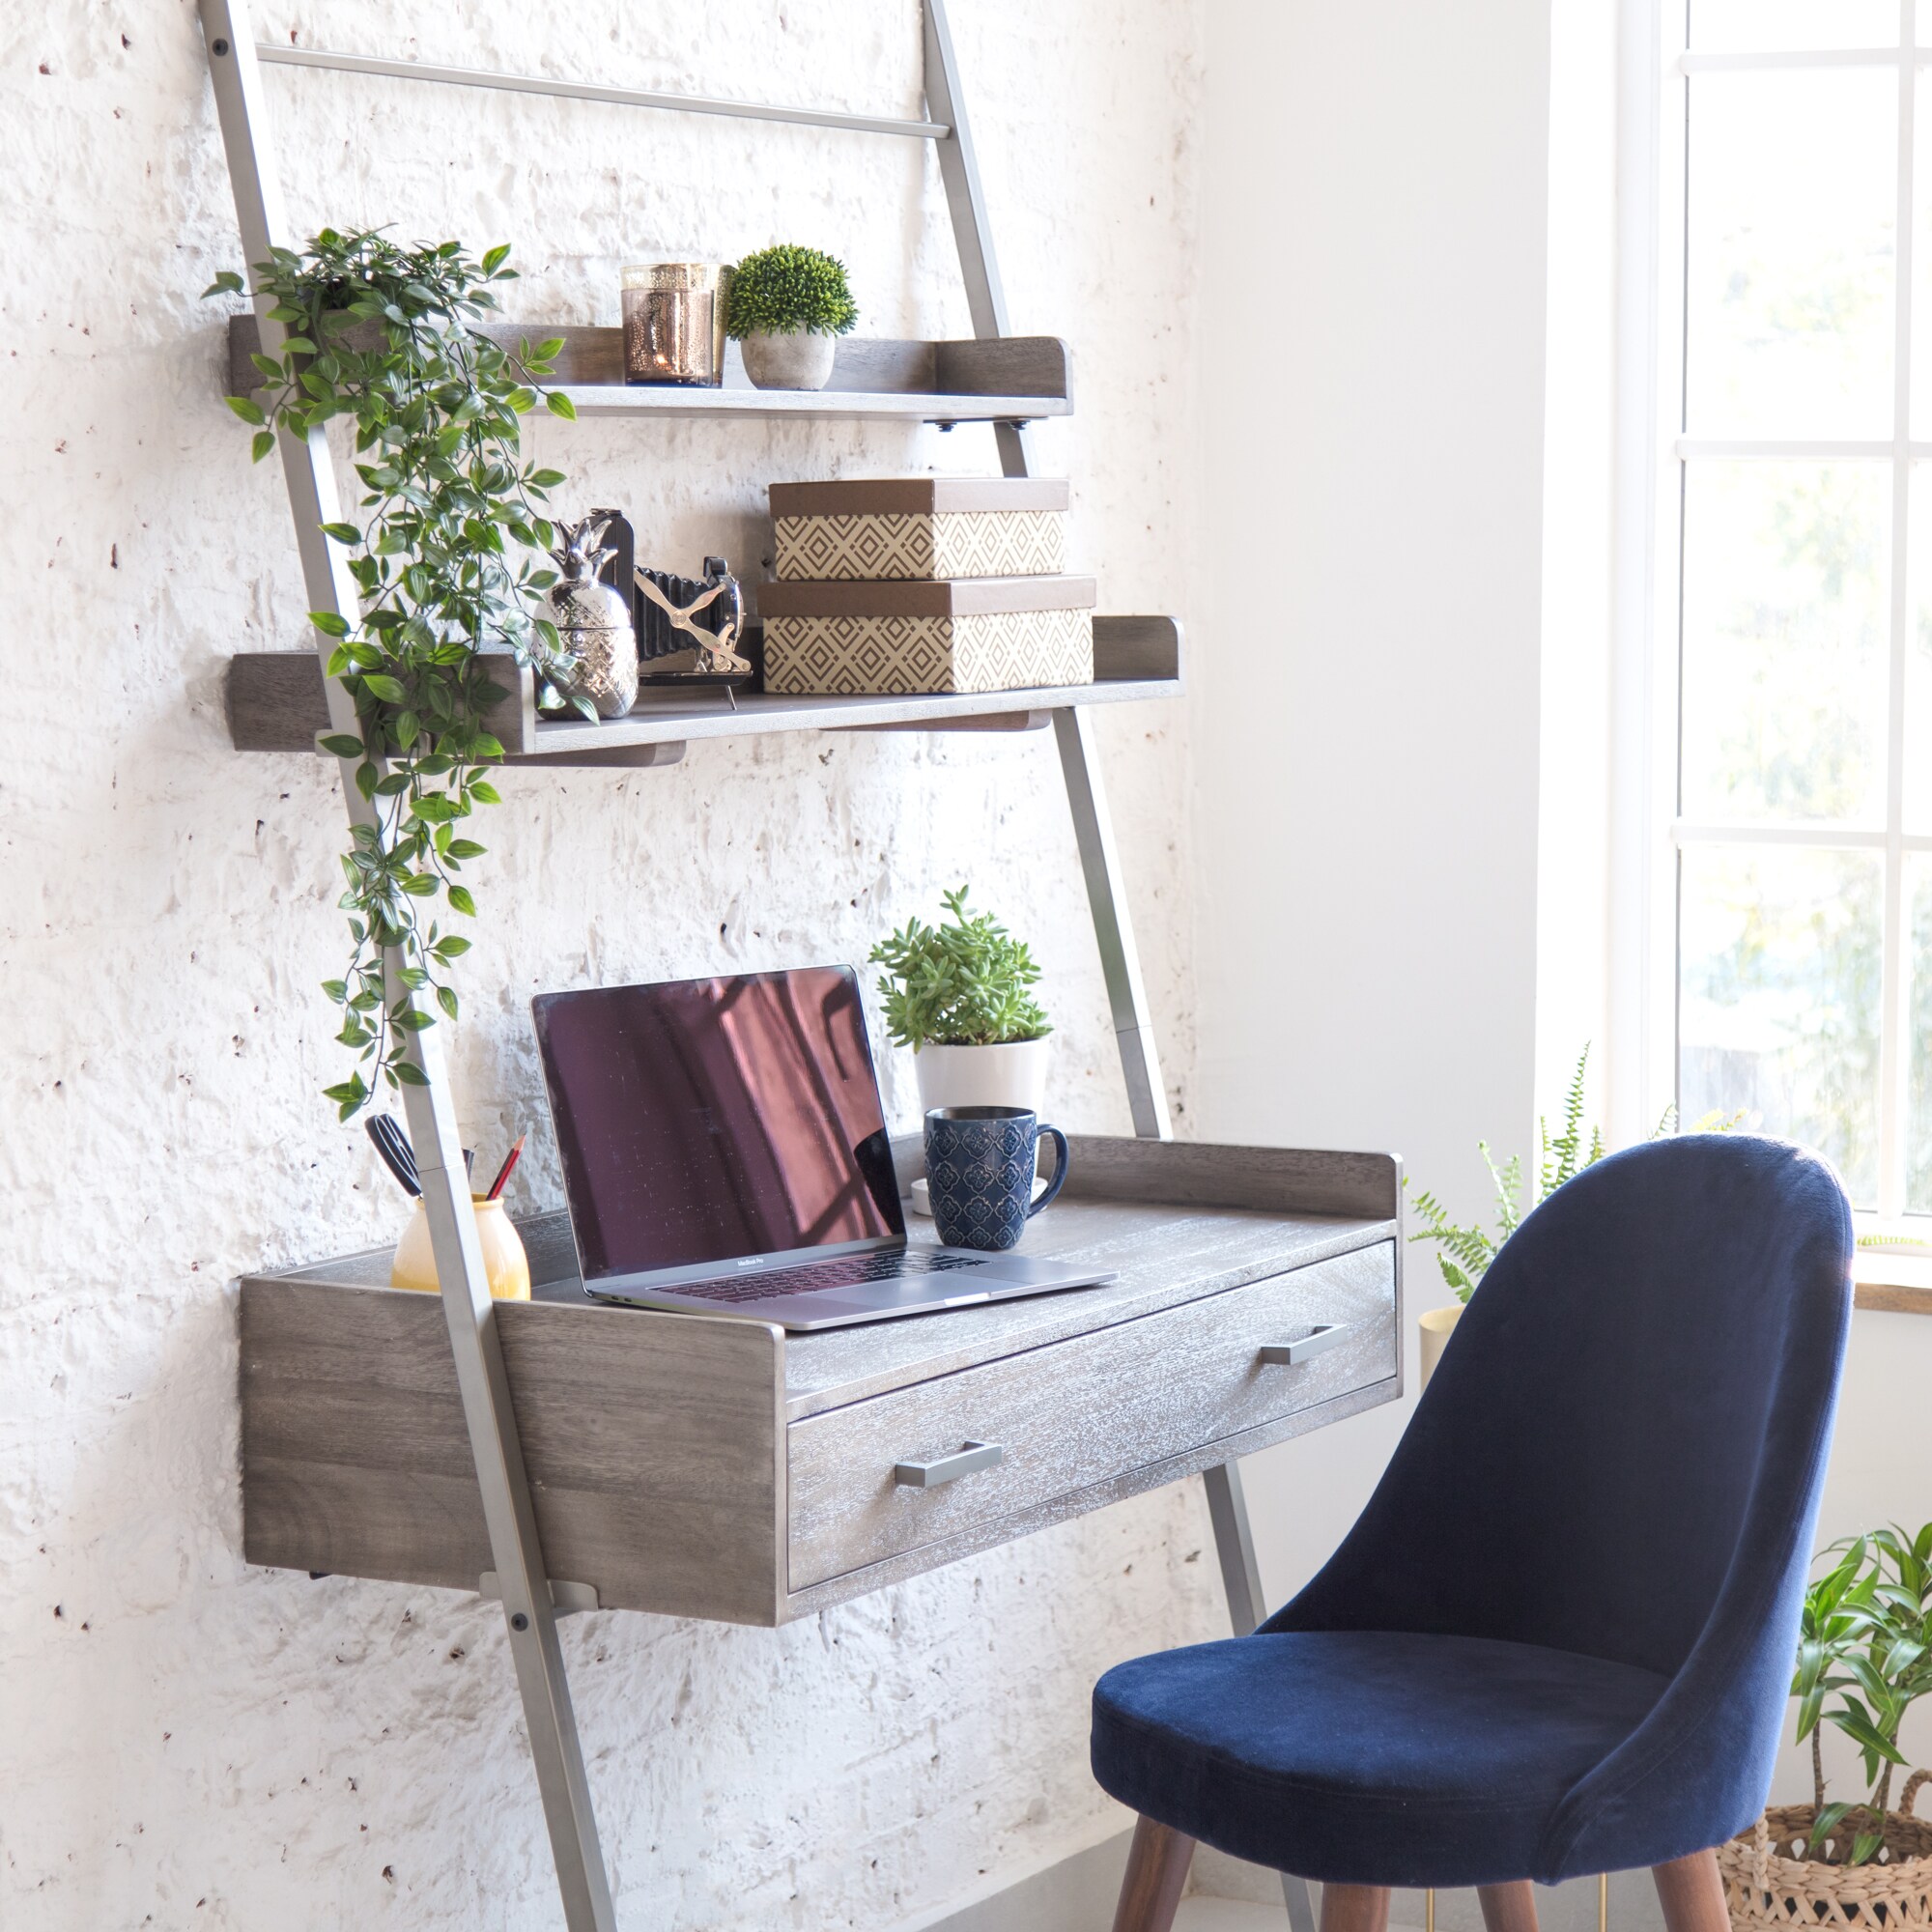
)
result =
(784, 289)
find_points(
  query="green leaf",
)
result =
(330, 623)
(451, 946)
(379, 683)
(343, 745)
(226, 283)
(249, 411)
(446, 1000)
(343, 533)
(560, 405)
(460, 901)
(495, 258)
(263, 442)
(484, 792)
(409, 1073)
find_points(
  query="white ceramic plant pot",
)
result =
(983, 1076)
(1436, 1326)
(800, 361)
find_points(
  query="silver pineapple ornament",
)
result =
(593, 621)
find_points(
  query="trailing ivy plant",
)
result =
(442, 563)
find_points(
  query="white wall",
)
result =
(1365, 705)
(187, 1742)
(1402, 721)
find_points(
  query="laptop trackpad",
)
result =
(920, 1291)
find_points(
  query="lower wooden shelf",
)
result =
(721, 1469)
(276, 702)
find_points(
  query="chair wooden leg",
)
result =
(1508, 1908)
(1692, 1892)
(1156, 1870)
(1354, 1908)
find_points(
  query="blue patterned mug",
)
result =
(980, 1171)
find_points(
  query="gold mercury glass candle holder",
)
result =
(674, 323)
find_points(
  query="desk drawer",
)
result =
(1079, 1411)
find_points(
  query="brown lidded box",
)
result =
(919, 526)
(895, 640)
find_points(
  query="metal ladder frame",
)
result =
(519, 1577)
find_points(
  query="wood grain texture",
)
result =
(1015, 375)
(656, 1441)
(275, 703)
(1691, 1894)
(1164, 1259)
(1297, 1180)
(653, 1447)
(1070, 1415)
(1079, 1503)
(1156, 1874)
(1354, 1908)
(1508, 1908)
(1136, 647)
(1891, 1298)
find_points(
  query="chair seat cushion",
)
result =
(1364, 1757)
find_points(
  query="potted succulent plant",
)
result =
(958, 994)
(788, 308)
(1865, 1656)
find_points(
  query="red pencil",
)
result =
(503, 1172)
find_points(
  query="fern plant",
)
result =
(1464, 1253)
(961, 983)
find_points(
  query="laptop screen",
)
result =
(701, 1122)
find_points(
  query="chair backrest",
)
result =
(1624, 1444)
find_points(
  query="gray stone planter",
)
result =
(801, 360)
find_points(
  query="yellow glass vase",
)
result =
(504, 1258)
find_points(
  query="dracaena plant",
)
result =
(964, 983)
(445, 558)
(1864, 1658)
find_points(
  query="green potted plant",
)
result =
(445, 553)
(788, 308)
(959, 995)
(1864, 1658)
(1464, 1254)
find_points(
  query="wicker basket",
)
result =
(1766, 1887)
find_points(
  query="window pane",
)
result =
(1916, 768)
(1793, 199)
(1779, 997)
(1918, 1080)
(1746, 26)
(1786, 575)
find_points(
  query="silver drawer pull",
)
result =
(967, 1461)
(1325, 1336)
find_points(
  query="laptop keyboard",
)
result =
(844, 1271)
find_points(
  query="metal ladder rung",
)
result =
(270, 54)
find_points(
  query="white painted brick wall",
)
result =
(186, 1742)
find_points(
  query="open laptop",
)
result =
(724, 1151)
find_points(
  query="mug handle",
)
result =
(1059, 1170)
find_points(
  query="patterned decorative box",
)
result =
(899, 639)
(919, 526)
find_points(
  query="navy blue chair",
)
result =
(1559, 1639)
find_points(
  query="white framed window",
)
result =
(1786, 860)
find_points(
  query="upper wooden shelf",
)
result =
(1011, 379)
(277, 703)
